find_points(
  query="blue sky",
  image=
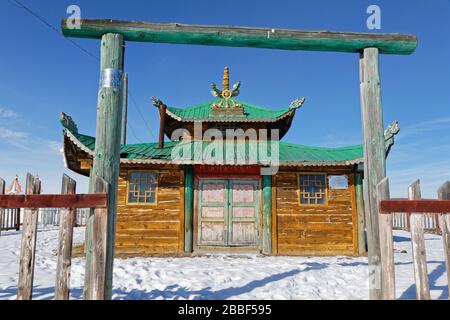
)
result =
(43, 74)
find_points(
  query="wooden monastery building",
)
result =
(189, 203)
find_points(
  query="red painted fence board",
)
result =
(416, 206)
(97, 200)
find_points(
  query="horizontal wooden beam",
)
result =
(414, 206)
(284, 39)
(97, 200)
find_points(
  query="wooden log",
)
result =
(188, 208)
(65, 240)
(2, 211)
(266, 181)
(98, 277)
(418, 246)
(28, 244)
(54, 201)
(386, 246)
(374, 164)
(360, 214)
(107, 147)
(235, 36)
(162, 122)
(444, 225)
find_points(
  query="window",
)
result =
(142, 187)
(312, 188)
(338, 182)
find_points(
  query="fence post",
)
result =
(418, 246)
(2, 191)
(386, 245)
(28, 245)
(444, 224)
(66, 224)
(96, 283)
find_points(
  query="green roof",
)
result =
(251, 112)
(289, 153)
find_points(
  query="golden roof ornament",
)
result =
(226, 94)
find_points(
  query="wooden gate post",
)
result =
(374, 159)
(360, 213)
(65, 239)
(444, 224)
(386, 245)
(106, 163)
(418, 246)
(188, 208)
(28, 244)
(2, 191)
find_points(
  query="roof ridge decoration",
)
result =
(226, 105)
(68, 123)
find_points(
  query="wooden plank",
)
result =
(188, 208)
(266, 181)
(65, 240)
(444, 224)
(386, 246)
(107, 146)
(418, 247)
(53, 201)
(374, 164)
(125, 108)
(97, 277)
(2, 211)
(416, 206)
(234, 36)
(28, 244)
(360, 213)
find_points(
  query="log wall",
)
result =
(314, 230)
(152, 228)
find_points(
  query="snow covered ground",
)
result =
(224, 276)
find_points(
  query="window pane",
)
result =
(312, 189)
(142, 187)
(338, 182)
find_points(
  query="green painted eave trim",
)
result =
(233, 36)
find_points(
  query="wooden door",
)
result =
(243, 213)
(212, 212)
(227, 213)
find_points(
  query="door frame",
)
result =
(197, 178)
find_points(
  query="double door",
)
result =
(227, 212)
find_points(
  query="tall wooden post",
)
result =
(107, 150)
(125, 109)
(266, 182)
(188, 208)
(374, 164)
(444, 224)
(162, 123)
(2, 191)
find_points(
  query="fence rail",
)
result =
(400, 221)
(416, 212)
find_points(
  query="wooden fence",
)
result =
(400, 221)
(416, 209)
(68, 201)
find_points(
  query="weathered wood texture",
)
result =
(188, 208)
(2, 191)
(315, 230)
(417, 206)
(54, 201)
(386, 246)
(125, 108)
(152, 228)
(418, 247)
(107, 145)
(360, 213)
(444, 223)
(374, 149)
(266, 182)
(28, 244)
(65, 239)
(234, 36)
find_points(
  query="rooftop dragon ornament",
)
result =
(226, 93)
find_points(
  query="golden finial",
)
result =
(226, 79)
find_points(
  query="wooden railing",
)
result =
(416, 208)
(67, 201)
